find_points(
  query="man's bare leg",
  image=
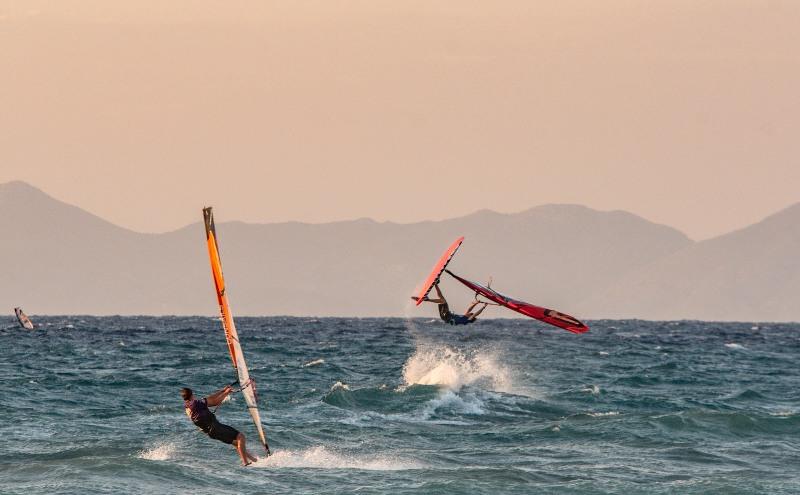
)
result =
(438, 300)
(239, 444)
(246, 452)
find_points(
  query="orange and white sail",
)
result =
(232, 337)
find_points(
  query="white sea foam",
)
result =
(603, 414)
(322, 458)
(340, 385)
(734, 345)
(449, 400)
(315, 362)
(160, 452)
(594, 390)
(782, 414)
(450, 368)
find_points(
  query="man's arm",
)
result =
(476, 313)
(217, 397)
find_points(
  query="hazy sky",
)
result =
(685, 112)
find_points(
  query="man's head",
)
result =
(186, 393)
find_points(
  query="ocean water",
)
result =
(399, 406)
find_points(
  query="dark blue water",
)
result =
(91, 405)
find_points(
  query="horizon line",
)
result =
(511, 317)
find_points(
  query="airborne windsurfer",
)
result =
(469, 316)
(549, 316)
(203, 418)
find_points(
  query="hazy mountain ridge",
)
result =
(749, 274)
(60, 259)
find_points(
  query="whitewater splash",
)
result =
(434, 364)
(322, 458)
(160, 452)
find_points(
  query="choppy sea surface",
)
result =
(399, 406)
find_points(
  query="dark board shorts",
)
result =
(223, 433)
(460, 320)
(449, 317)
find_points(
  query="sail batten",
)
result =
(229, 326)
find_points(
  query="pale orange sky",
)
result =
(685, 112)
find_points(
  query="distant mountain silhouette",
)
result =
(59, 259)
(750, 274)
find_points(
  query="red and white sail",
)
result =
(549, 316)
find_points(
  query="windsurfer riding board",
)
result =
(203, 418)
(469, 316)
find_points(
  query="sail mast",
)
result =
(229, 326)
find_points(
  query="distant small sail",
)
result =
(23, 319)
